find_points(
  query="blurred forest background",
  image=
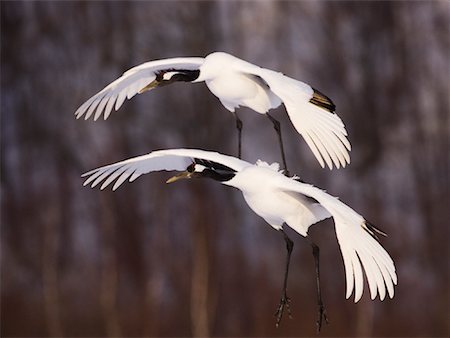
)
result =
(191, 259)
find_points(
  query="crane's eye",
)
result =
(191, 168)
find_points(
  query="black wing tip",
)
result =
(373, 230)
(322, 101)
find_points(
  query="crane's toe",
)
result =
(284, 302)
(322, 315)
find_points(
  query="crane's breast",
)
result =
(232, 87)
(274, 207)
(237, 89)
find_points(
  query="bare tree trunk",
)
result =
(109, 277)
(155, 268)
(200, 272)
(365, 319)
(50, 273)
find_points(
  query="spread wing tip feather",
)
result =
(136, 80)
(362, 252)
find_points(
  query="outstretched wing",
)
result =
(358, 243)
(141, 78)
(168, 160)
(311, 112)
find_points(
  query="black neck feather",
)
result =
(216, 171)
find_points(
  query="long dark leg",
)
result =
(322, 314)
(239, 128)
(277, 127)
(284, 298)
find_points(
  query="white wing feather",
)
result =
(323, 131)
(168, 160)
(129, 84)
(359, 249)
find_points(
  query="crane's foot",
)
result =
(321, 316)
(284, 302)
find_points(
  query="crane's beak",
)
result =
(150, 86)
(184, 174)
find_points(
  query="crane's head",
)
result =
(215, 64)
(203, 168)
